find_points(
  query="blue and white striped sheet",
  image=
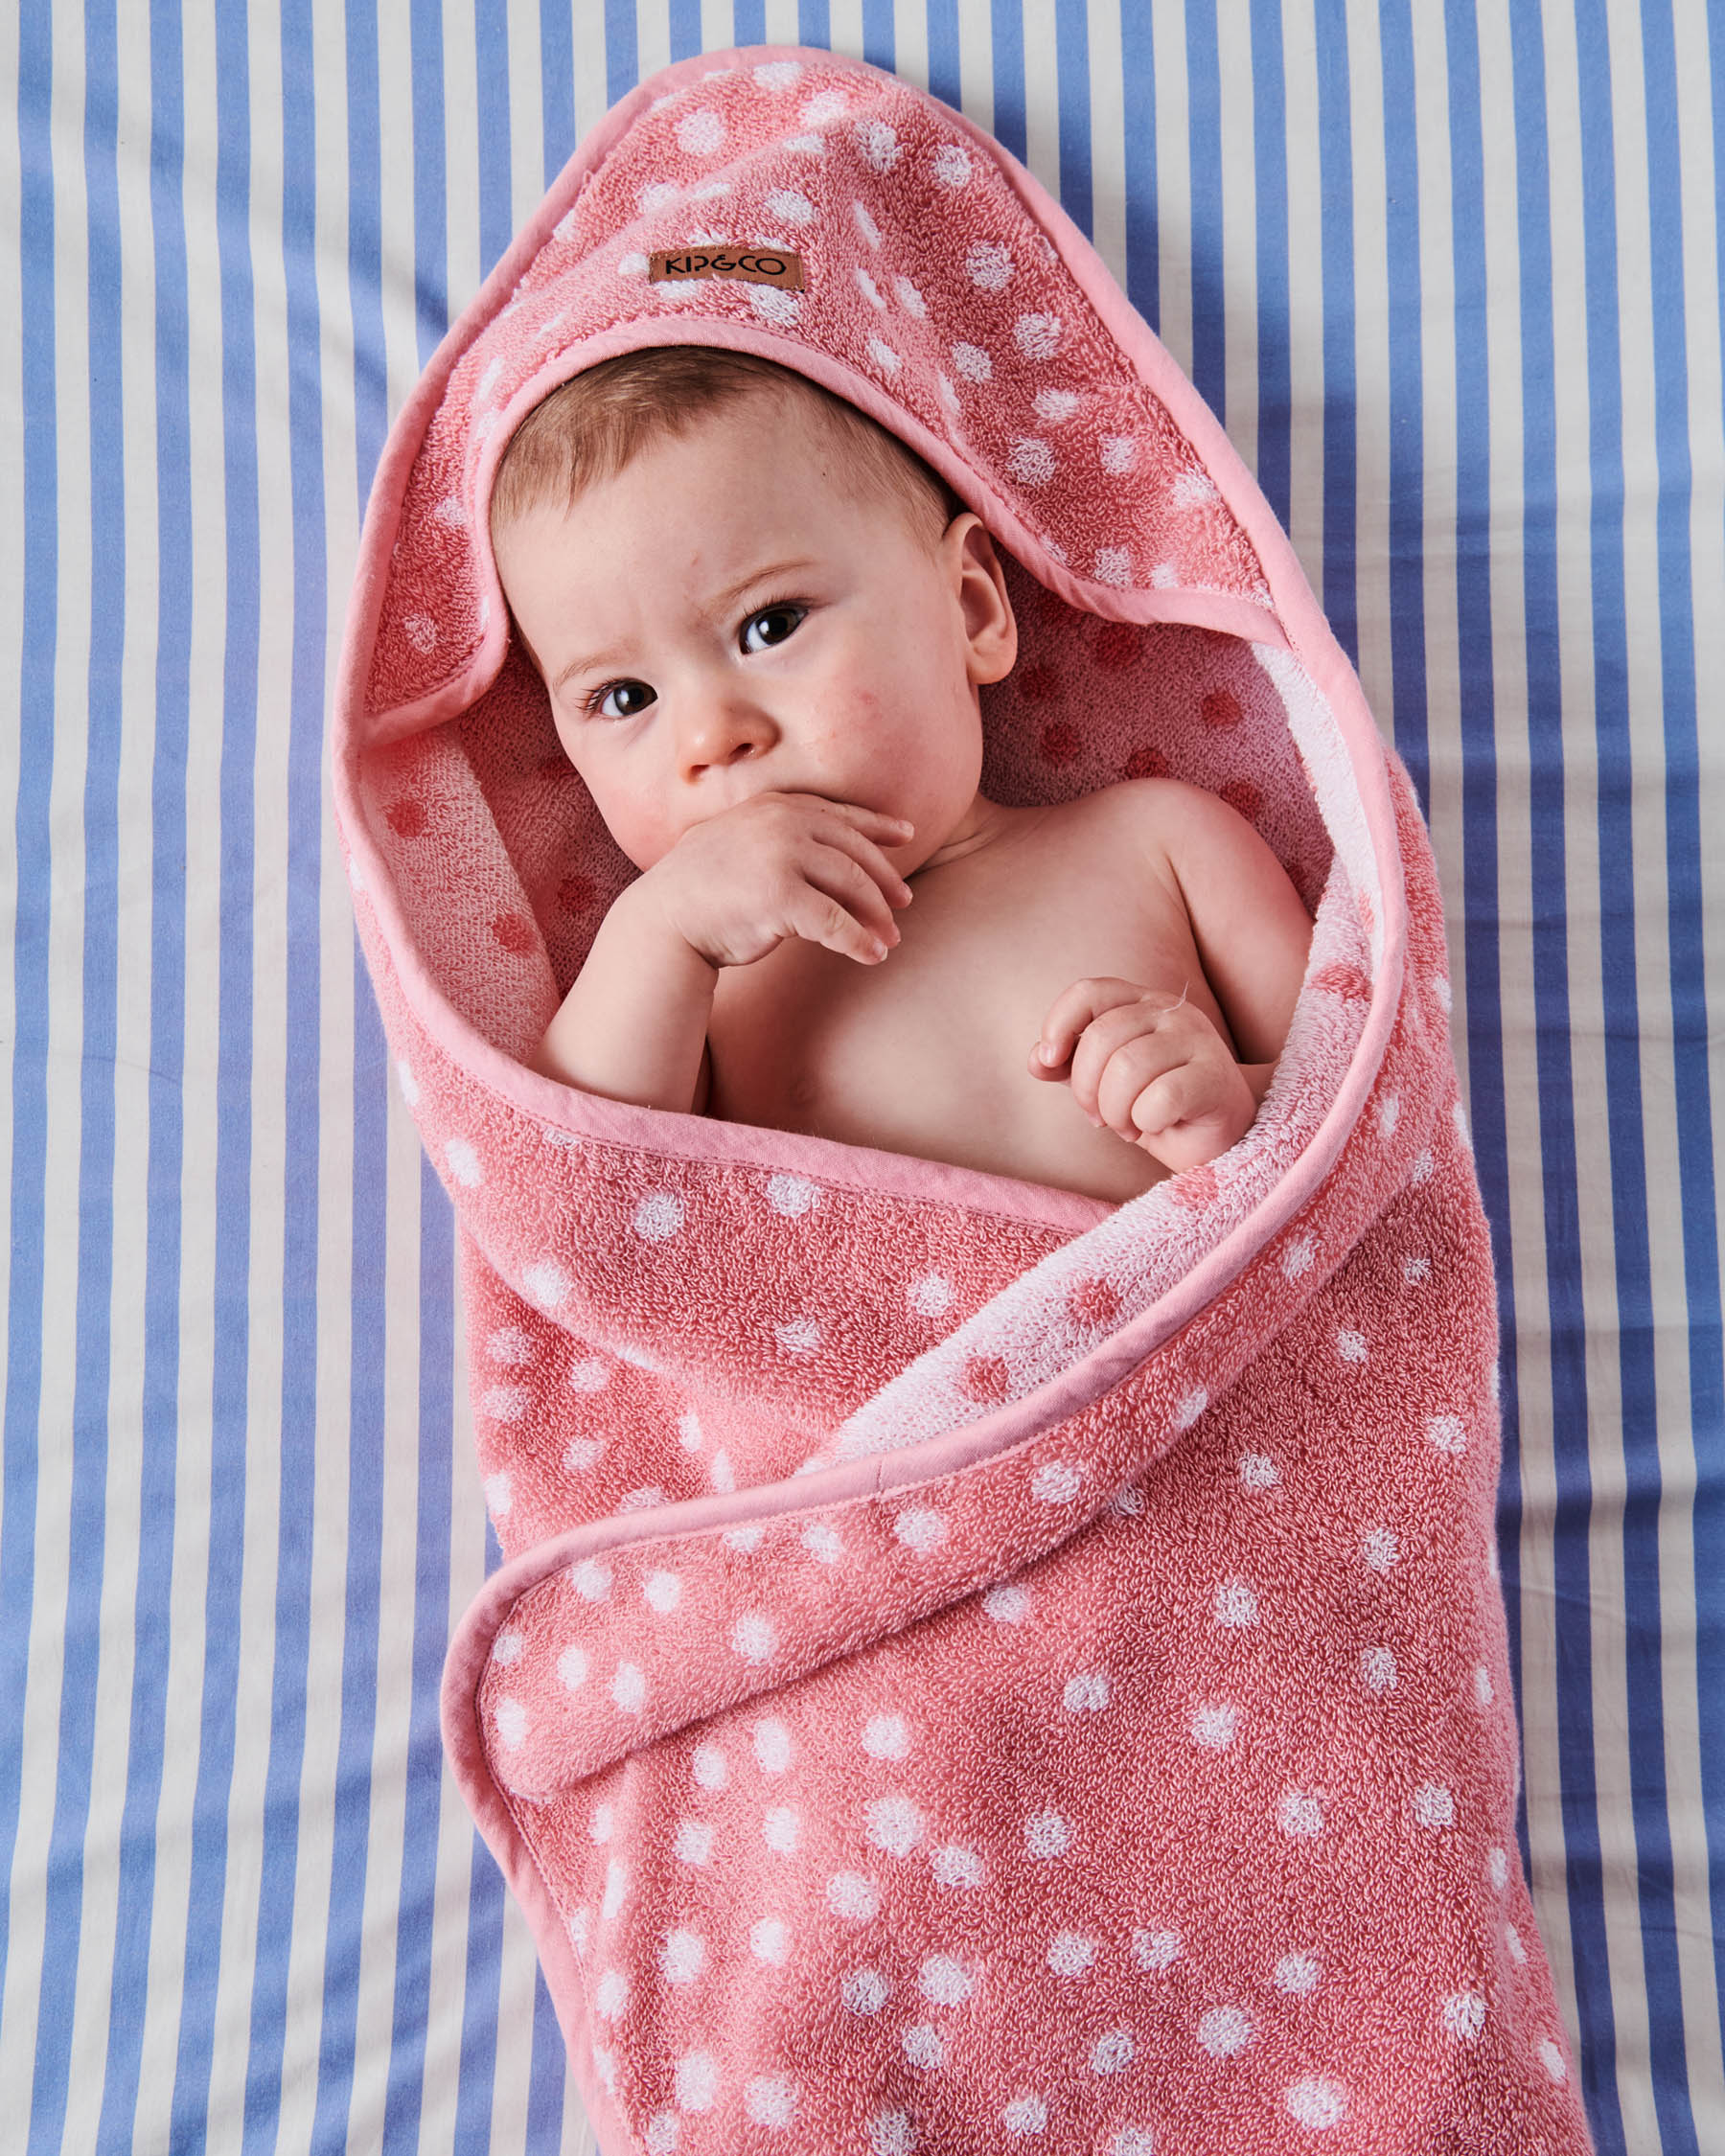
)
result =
(1451, 276)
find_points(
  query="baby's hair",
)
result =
(589, 428)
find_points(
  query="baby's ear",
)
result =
(990, 628)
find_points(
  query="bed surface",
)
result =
(1451, 278)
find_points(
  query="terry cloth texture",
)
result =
(992, 1669)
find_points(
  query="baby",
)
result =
(763, 624)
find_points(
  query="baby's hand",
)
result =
(739, 884)
(1148, 1066)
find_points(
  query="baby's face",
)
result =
(726, 616)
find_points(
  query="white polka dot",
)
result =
(696, 2081)
(1317, 2102)
(699, 133)
(499, 1494)
(894, 1825)
(754, 1638)
(1166, 577)
(592, 1580)
(878, 143)
(629, 1689)
(642, 1499)
(1433, 1805)
(409, 1083)
(1297, 1974)
(922, 2046)
(507, 1647)
(658, 197)
(616, 1889)
(1484, 1695)
(951, 164)
(421, 631)
(886, 1736)
(864, 1991)
(610, 1995)
(1130, 1499)
(1551, 2059)
(664, 2131)
(781, 1827)
(955, 1867)
(1113, 565)
(1225, 2030)
(1377, 1667)
(911, 299)
(1298, 1257)
(1416, 1271)
(583, 1453)
(572, 1668)
(850, 1895)
(868, 288)
(511, 1718)
(1350, 1346)
(1512, 1940)
(1087, 1695)
(504, 1402)
(1154, 1950)
(694, 1844)
(1421, 1170)
(1258, 1472)
(545, 1284)
(972, 362)
(948, 396)
(769, 1940)
(1037, 335)
(1024, 2114)
(1388, 1114)
(1381, 1549)
(822, 107)
(865, 224)
(1497, 1868)
(1190, 1408)
(1131, 2141)
(799, 1335)
(778, 75)
(930, 1294)
(604, 1822)
(1193, 489)
(920, 1527)
(1447, 1432)
(776, 306)
(464, 1163)
(452, 512)
(822, 1543)
(1299, 1814)
(1119, 453)
(1071, 1954)
(1111, 2053)
(811, 145)
(944, 1980)
(792, 1194)
(1214, 1725)
(1031, 462)
(883, 357)
(1236, 1603)
(682, 1957)
(1056, 1482)
(1007, 1605)
(1055, 405)
(793, 207)
(1465, 2014)
(1048, 1834)
(1458, 1116)
(989, 265)
(510, 1346)
(1440, 988)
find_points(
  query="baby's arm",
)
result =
(1248, 923)
(634, 1028)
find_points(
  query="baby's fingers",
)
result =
(1070, 1012)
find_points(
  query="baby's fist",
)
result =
(1149, 1066)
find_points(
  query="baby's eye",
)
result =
(636, 695)
(774, 622)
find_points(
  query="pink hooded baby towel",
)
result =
(975, 1669)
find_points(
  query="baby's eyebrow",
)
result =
(717, 605)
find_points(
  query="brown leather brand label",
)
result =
(759, 265)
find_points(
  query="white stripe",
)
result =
(781, 19)
(845, 27)
(1238, 158)
(395, 206)
(1372, 358)
(652, 37)
(1305, 291)
(587, 31)
(11, 631)
(38, 1733)
(976, 60)
(1107, 138)
(1041, 96)
(458, 93)
(1173, 182)
(528, 179)
(911, 42)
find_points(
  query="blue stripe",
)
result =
(1204, 161)
(483, 1990)
(152, 1616)
(430, 221)
(1072, 52)
(1009, 76)
(1569, 1527)
(879, 46)
(491, 91)
(1143, 255)
(557, 87)
(1407, 390)
(685, 28)
(1638, 1378)
(945, 81)
(748, 21)
(88, 1438)
(1684, 927)
(1334, 160)
(1270, 132)
(811, 24)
